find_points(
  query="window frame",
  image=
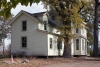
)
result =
(50, 40)
(59, 45)
(83, 43)
(24, 25)
(77, 30)
(25, 46)
(45, 25)
(83, 30)
(77, 44)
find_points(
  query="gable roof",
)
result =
(33, 16)
(26, 13)
(40, 13)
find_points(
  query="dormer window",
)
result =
(77, 30)
(53, 17)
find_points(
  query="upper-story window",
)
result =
(45, 25)
(53, 17)
(77, 44)
(24, 25)
(83, 30)
(77, 30)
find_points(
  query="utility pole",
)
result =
(95, 50)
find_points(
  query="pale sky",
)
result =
(33, 9)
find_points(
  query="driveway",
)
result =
(77, 64)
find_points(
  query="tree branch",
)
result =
(81, 7)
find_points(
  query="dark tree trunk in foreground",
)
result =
(67, 51)
(67, 39)
(95, 50)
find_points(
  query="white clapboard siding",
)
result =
(36, 41)
(54, 50)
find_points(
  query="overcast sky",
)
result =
(33, 9)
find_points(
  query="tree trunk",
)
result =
(67, 47)
(67, 51)
(95, 50)
(67, 39)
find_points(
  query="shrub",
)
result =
(19, 54)
(91, 53)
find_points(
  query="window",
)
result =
(60, 45)
(82, 44)
(24, 42)
(53, 17)
(45, 25)
(50, 43)
(77, 44)
(76, 30)
(24, 25)
(82, 30)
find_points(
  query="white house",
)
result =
(36, 34)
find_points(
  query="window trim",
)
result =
(83, 43)
(59, 44)
(77, 30)
(21, 42)
(45, 25)
(77, 45)
(50, 43)
(22, 25)
(83, 31)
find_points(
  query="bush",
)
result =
(91, 53)
(19, 54)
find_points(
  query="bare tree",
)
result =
(4, 30)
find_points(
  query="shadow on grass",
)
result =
(88, 58)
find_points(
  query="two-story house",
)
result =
(36, 34)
